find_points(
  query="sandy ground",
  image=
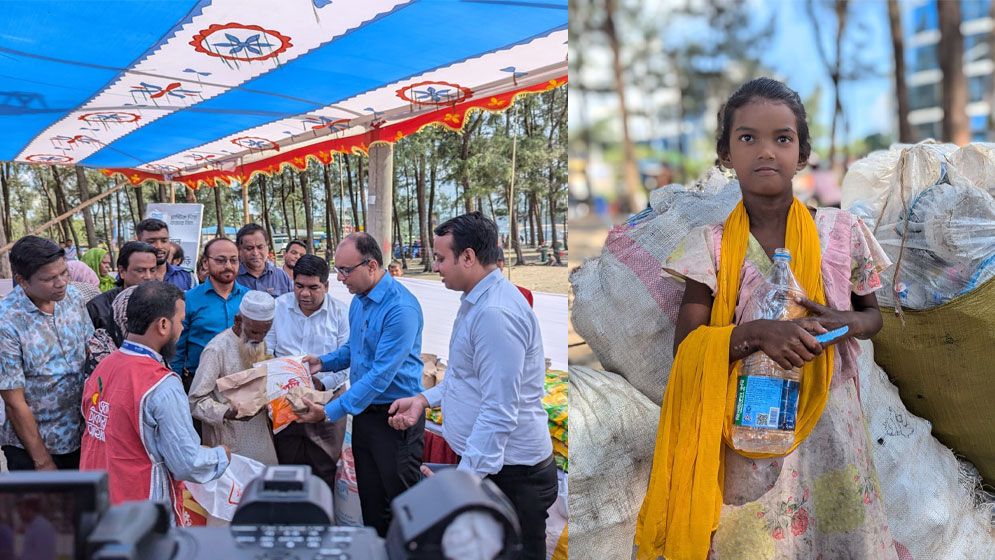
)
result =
(587, 237)
(534, 276)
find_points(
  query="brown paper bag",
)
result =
(296, 395)
(245, 391)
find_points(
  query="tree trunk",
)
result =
(6, 169)
(465, 140)
(901, 88)
(331, 220)
(264, 206)
(430, 240)
(5, 271)
(140, 201)
(106, 207)
(63, 203)
(397, 234)
(531, 213)
(50, 206)
(84, 195)
(632, 187)
(352, 194)
(219, 212)
(552, 218)
(426, 261)
(190, 195)
(293, 204)
(510, 197)
(163, 195)
(283, 206)
(119, 231)
(832, 67)
(362, 194)
(408, 210)
(956, 125)
(308, 214)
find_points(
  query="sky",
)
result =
(869, 103)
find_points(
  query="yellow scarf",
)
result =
(684, 496)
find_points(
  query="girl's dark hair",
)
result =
(765, 89)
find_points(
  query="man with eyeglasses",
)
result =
(256, 272)
(210, 307)
(383, 353)
(42, 349)
(156, 233)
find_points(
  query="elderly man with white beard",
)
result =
(231, 351)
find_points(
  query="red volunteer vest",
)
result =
(113, 399)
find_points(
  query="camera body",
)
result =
(284, 514)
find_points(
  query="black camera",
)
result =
(285, 514)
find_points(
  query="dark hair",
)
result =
(367, 246)
(248, 229)
(150, 224)
(177, 250)
(207, 247)
(472, 231)
(312, 265)
(763, 89)
(296, 242)
(31, 252)
(150, 302)
(130, 248)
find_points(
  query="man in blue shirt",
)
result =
(210, 307)
(256, 272)
(384, 356)
(156, 233)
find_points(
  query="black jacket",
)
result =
(102, 314)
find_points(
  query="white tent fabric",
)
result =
(439, 306)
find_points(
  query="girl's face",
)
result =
(763, 148)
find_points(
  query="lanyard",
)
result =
(139, 349)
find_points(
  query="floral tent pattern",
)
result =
(202, 91)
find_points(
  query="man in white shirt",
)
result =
(492, 394)
(309, 321)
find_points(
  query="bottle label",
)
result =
(766, 402)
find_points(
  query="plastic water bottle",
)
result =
(766, 394)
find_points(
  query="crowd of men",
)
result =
(127, 381)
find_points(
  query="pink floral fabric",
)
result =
(822, 501)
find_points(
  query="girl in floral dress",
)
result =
(822, 500)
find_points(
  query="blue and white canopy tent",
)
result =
(199, 91)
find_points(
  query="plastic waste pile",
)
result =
(932, 209)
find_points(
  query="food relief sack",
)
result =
(283, 374)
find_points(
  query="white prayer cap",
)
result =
(257, 306)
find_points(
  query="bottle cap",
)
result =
(782, 254)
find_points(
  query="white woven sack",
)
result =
(612, 436)
(623, 307)
(930, 505)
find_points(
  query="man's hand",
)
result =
(227, 452)
(426, 471)
(232, 414)
(317, 383)
(406, 412)
(312, 414)
(314, 362)
(46, 464)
